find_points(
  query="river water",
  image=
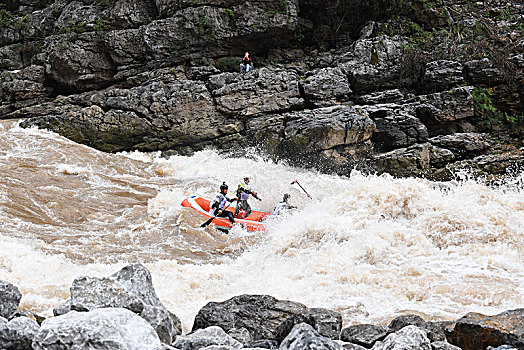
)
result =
(371, 247)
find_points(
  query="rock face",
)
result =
(130, 288)
(475, 331)
(266, 317)
(10, 297)
(163, 76)
(109, 328)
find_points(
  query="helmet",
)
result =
(223, 186)
(286, 196)
(247, 177)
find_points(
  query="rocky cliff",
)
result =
(413, 88)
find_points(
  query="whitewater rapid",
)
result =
(371, 247)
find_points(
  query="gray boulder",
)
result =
(205, 338)
(266, 317)
(408, 338)
(130, 288)
(10, 297)
(402, 321)
(325, 87)
(411, 161)
(108, 328)
(18, 333)
(303, 336)
(463, 145)
(443, 345)
(364, 334)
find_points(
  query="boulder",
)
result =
(364, 334)
(477, 331)
(325, 87)
(408, 338)
(463, 145)
(411, 161)
(259, 91)
(130, 288)
(265, 317)
(395, 128)
(18, 333)
(204, 338)
(108, 328)
(402, 321)
(10, 297)
(443, 345)
(303, 336)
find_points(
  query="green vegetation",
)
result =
(102, 24)
(491, 116)
(228, 64)
(7, 19)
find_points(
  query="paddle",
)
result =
(214, 217)
(296, 181)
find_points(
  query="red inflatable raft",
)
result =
(254, 222)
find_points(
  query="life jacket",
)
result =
(243, 191)
(219, 203)
(281, 206)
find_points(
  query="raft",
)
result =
(253, 222)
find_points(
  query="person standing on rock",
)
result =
(243, 192)
(218, 206)
(246, 64)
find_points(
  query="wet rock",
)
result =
(395, 128)
(477, 331)
(364, 334)
(303, 336)
(326, 322)
(18, 333)
(442, 345)
(108, 328)
(10, 297)
(408, 338)
(406, 320)
(411, 161)
(441, 75)
(463, 145)
(325, 87)
(130, 288)
(259, 91)
(204, 338)
(264, 316)
(436, 330)
(440, 156)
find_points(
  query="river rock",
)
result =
(265, 317)
(325, 87)
(108, 328)
(364, 334)
(204, 338)
(442, 345)
(402, 321)
(477, 331)
(18, 333)
(10, 297)
(130, 288)
(408, 338)
(303, 336)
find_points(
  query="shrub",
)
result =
(228, 64)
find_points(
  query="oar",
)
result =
(296, 181)
(214, 217)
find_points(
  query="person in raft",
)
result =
(243, 192)
(218, 205)
(246, 64)
(283, 205)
